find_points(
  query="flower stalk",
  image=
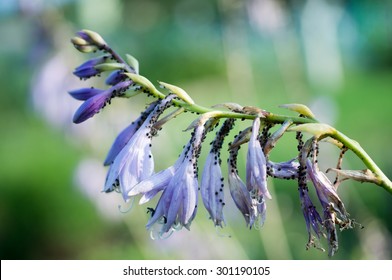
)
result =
(131, 170)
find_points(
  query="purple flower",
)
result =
(325, 190)
(115, 77)
(85, 93)
(312, 217)
(96, 102)
(125, 135)
(134, 162)
(177, 206)
(256, 166)
(87, 69)
(240, 194)
(211, 186)
(283, 170)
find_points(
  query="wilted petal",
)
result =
(256, 166)
(325, 190)
(238, 190)
(85, 93)
(312, 217)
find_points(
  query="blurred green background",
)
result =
(335, 56)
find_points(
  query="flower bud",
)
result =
(317, 129)
(92, 37)
(133, 62)
(179, 92)
(299, 108)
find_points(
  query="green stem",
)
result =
(383, 180)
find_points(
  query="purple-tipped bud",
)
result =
(87, 69)
(91, 37)
(85, 93)
(92, 106)
(115, 77)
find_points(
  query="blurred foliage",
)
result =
(217, 52)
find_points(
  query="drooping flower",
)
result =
(97, 101)
(127, 133)
(87, 69)
(177, 205)
(283, 170)
(325, 190)
(248, 206)
(211, 185)
(134, 162)
(256, 165)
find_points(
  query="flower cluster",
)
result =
(131, 165)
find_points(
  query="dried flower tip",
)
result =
(357, 175)
(242, 138)
(179, 92)
(299, 108)
(86, 49)
(77, 41)
(133, 62)
(251, 110)
(317, 129)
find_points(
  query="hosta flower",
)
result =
(325, 190)
(87, 69)
(211, 185)
(98, 100)
(85, 93)
(115, 77)
(283, 170)
(134, 162)
(240, 194)
(177, 205)
(127, 133)
(256, 166)
(313, 220)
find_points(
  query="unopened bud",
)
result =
(317, 129)
(133, 62)
(299, 108)
(179, 92)
(92, 37)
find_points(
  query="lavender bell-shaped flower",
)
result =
(134, 162)
(256, 165)
(98, 100)
(177, 205)
(127, 133)
(238, 190)
(211, 185)
(115, 77)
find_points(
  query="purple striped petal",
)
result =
(91, 106)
